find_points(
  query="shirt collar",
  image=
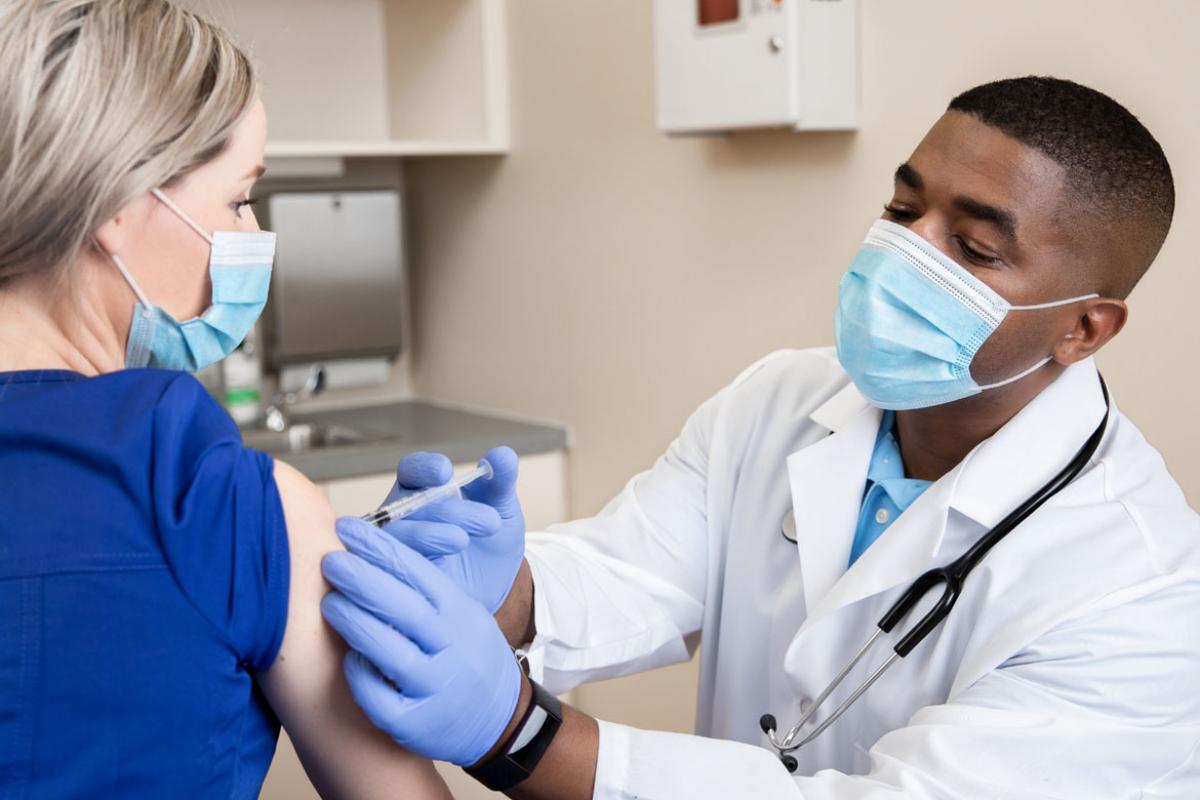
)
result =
(1042, 437)
(41, 376)
(887, 467)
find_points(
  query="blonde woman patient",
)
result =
(159, 583)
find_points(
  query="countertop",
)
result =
(394, 430)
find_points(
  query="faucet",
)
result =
(276, 418)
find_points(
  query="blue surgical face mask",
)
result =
(910, 321)
(239, 267)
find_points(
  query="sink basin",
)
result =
(300, 437)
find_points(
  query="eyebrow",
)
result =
(909, 177)
(1004, 221)
(256, 173)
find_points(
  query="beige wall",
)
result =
(608, 277)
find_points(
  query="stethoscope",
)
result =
(951, 577)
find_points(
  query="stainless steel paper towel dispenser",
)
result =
(338, 290)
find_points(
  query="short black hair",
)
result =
(1112, 162)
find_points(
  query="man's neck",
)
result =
(935, 440)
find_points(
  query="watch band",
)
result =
(512, 764)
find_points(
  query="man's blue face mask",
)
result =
(910, 321)
(239, 267)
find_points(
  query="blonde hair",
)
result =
(100, 102)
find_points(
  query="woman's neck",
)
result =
(48, 321)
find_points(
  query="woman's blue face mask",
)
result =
(239, 267)
(910, 321)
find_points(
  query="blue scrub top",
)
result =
(143, 578)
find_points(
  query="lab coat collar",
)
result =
(828, 478)
(1032, 448)
(841, 409)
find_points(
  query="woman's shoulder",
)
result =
(120, 423)
(177, 418)
(181, 411)
(145, 467)
(218, 513)
(128, 400)
(163, 466)
(166, 393)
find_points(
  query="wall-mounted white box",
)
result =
(728, 64)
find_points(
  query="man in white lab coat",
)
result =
(798, 504)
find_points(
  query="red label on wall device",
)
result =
(717, 12)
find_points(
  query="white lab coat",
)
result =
(1070, 667)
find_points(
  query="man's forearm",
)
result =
(515, 615)
(568, 768)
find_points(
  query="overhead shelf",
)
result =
(400, 148)
(356, 78)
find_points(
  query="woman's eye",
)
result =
(240, 204)
(900, 214)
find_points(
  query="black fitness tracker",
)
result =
(522, 750)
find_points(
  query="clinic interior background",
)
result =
(611, 278)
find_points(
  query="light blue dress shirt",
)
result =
(888, 492)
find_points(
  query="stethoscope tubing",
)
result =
(952, 577)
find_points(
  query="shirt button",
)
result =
(882, 516)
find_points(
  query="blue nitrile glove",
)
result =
(428, 664)
(487, 566)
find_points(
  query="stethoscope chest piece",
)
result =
(788, 527)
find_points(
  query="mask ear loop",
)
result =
(1055, 303)
(137, 290)
(1018, 376)
(1045, 360)
(179, 212)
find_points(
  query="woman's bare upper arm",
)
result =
(343, 753)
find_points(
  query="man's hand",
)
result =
(428, 664)
(486, 564)
(430, 667)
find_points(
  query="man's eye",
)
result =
(900, 214)
(974, 256)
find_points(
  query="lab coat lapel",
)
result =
(827, 482)
(992, 480)
(904, 551)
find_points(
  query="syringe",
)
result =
(409, 504)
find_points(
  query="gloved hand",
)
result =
(428, 664)
(491, 513)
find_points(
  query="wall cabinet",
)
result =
(347, 78)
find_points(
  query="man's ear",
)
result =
(1101, 320)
